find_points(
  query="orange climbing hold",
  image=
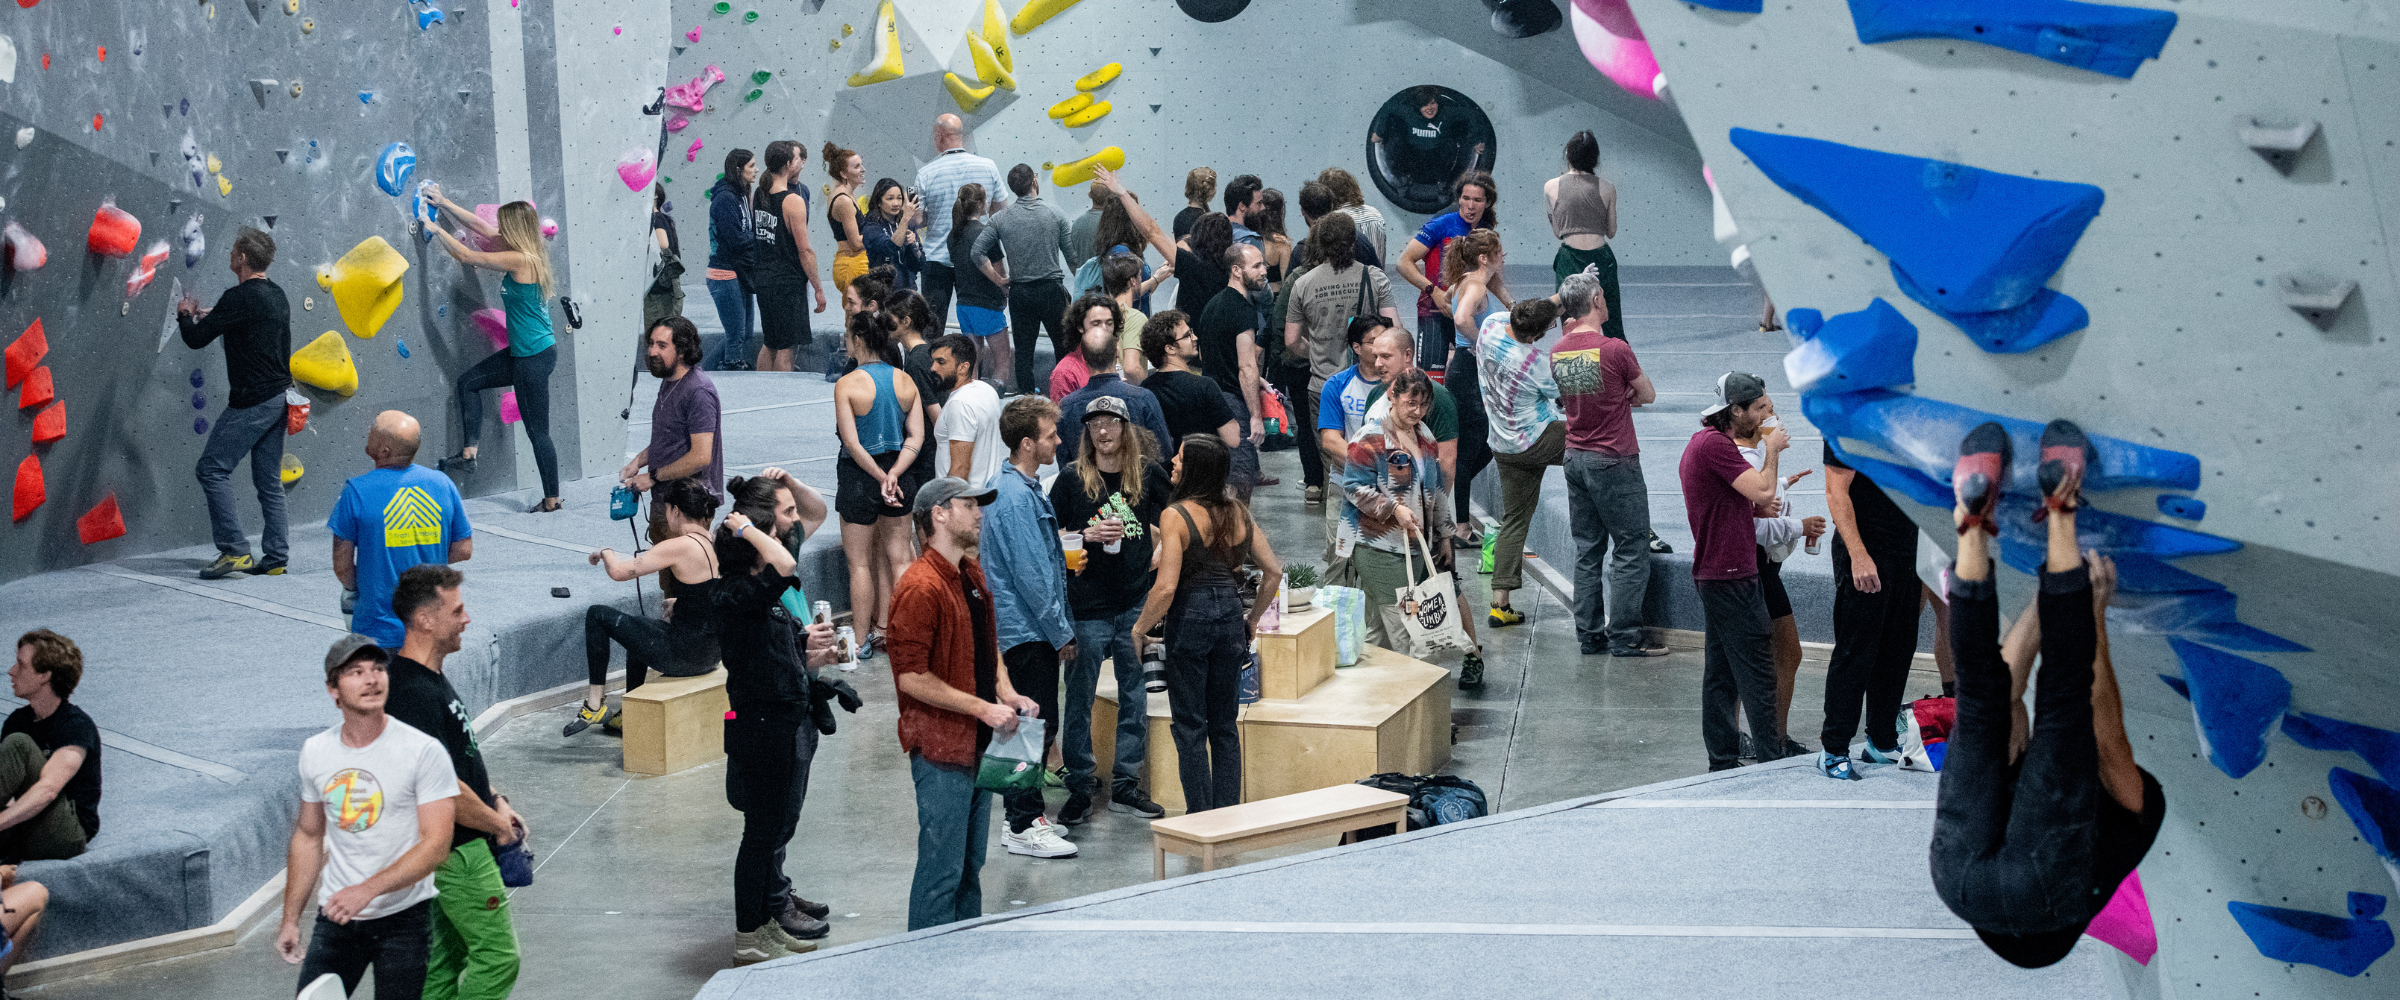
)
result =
(37, 390)
(101, 523)
(115, 232)
(96, 120)
(45, 55)
(26, 353)
(104, 53)
(50, 424)
(30, 492)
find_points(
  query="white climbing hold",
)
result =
(195, 243)
(261, 88)
(8, 60)
(25, 137)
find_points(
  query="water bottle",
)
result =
(846, 642)
(1154, 667)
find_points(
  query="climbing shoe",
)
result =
(1837, 767)
(1878, 757)
(459, 464)
(266, 570)
(585, 715)
(227, 565)
(1503, 617)
(615, 723)
(1470, 673)
(2067, 457)
(1981, 475)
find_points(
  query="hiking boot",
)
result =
(2067, 457)
(1077, 811)
(584, 717)
(792, 901)
(1981, 475)
(227, 565)
(800, 926)
(1132, 800)
(1470, 673)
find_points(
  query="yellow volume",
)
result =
(1088, 115)
(987, 65)
(995, 34)
(1070, 105)
(886, 65)
(1099, 78)
(1035, 12)
(1080, 171)
(968, 98)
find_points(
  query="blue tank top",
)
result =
(1465, 336)
(882, 429)
(528, 318)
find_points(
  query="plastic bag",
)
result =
(1252, 689)
(1013, 763)
(1349, 607)
(295, 412)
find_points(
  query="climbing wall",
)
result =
(2169, 221)
(1243, 95)
(300, 118)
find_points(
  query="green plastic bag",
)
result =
(1013, 763)
(1491, 541)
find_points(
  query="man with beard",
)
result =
(684, 422)
(968, 431)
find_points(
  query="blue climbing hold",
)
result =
(2235, 701)
(2187, 508)
(403, 345)
(2138, 573)
(393, 169)
(432, 15)
(198, 379)
(2207, 616)
(2374, 807)
(1873, 348)
(2379, 747)
(1803, 323)
(1973, 245)
(2347, 946)
(199, 401)
(2103, 38)
(1734, 6)
(1923, 435)
(186, 106)
(199, 425)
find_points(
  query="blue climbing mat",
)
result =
(2103, 38)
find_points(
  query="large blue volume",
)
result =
(2103, 38)
(2347, 946)
(1973, 245)
(2380, 748)
(1873, 348)
(2234, 701)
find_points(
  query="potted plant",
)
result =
(1301, 583)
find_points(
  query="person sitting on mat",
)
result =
(683, 642)
(2034, 830)
(49, 756)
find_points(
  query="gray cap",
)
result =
(948, 488)
(1110, 405)
(1736, 389)
(348, 648)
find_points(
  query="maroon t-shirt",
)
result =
(1725, 541)
(1595, 376)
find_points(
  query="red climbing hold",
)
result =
(104, 53)
(50, 424)
(102, 523)
(45, 55)
(37, 390)
(26, 353)
(27, 4)
(96, 120)
(115, 231)
(30, 493)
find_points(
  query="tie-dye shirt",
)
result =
(1520, 397)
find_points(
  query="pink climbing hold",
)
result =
(115, 232)
(637, 169)
(147, 270)
(620, 29)
(494, 324)
(1613, 43)
(693, 154)
(693, 95)
(508, 408)
(25, 253)
(2124, 923)
(549, 228)
(677, 123)
(693, 35)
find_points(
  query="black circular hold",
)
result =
(1524, 18)
(1415, 160)
(1212, 11)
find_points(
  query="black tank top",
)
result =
(695, 603)
(780, 258)
(833, 220)
(1201, 564)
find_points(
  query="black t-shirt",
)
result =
(661, 220)
(1197, 281)
(426, 701)
(1191, 403)
(759, 643)
(1881, 525)
(1185, 218)
(1109, 585)
(1226, 317)
(919, 366)
(255, 318)
(987, 655)
(67, 727)
(968, 281)
(776, 262)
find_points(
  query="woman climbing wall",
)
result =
(532, 352)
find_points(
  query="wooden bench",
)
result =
(1285, 819)
(672, 723)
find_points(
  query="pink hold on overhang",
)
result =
(1613, 42)
(693, 95)
(494, 325)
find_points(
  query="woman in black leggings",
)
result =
(2034, 829)
(684, 643)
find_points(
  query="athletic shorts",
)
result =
(976, 321)
(1770, 580)
(783, 316)
(858, 498)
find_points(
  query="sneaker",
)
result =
(800, 926)
(1641, 649)
(1054, 778)
(1132, 800)
(1981, 475)
(584, 717)
(2067, 457)
(1659, 545)
(791, 944)
(1792, 748)
(1591, 648)
(1837, 767)
(1503, 617)
(1470, 673)
(792, 901)
(1077, 811)
(266, 570)
(1749, 747)
(762, 945)
(1878, 757)
(1038, 840)
(459, 464)
(227, 565)
(1314, 495)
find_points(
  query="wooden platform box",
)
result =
(672, 723)
(1297, 656)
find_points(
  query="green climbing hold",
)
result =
(750, 17)
(754, 94)
(762, 76)
(723, 7)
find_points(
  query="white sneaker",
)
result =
(1039, 840)
(760, 945)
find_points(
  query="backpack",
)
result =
(1433, 800)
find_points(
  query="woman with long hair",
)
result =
(1421, 264)
(1113, 490)
(880, 423)
(892, 231)
(1395, 506)
(1200, 270)
(684, 644)
(981, 285)
(1197, 595)
(1126, 228)
(1470, 269)
(1583, 215)
(1350, 201)
(664, 297)
(784, 259)
(1267, 222)
(732, 241)
(532, 354)
(843, 215)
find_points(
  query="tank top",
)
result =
(1491, 304)
(1201, 564)
(528, 318)
(695, 603)
(833, 223)
(779, 259)
(1582, 207)
(882, 429)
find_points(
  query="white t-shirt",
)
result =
(972, 414)
(370, 796)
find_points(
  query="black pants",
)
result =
(939, 280)
(2036, 847)
(1301, 420)
(1739, 665)
(1474, 429)
(1208, 644)
(1033, 671)
(767, 758)
(530, 377)
(649, 643)
(396, 945)
(1034, 306)
(1874, 642)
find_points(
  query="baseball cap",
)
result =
(348, 648)
(1736, 389)
(948, 488)
(1110, 405)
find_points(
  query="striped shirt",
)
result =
(937, 188)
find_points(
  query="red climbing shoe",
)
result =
(2067, 456)
(1981, 475)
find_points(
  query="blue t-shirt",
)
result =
(1342, 404)
(1435, 237)
(397, 518)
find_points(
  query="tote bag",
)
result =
(1429, 608)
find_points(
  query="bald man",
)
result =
(397, 515)
(937, 186)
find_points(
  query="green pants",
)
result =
(1520, 491)
(474, 945)
(52, 835)
(1568, 261)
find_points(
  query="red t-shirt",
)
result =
(1595, 374)
(1725, 542)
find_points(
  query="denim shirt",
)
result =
(1024, 564)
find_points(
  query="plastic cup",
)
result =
(1072, 543)
(1813, 543)
(1114, 547)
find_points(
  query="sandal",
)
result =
(2067, 456)
(549, 505)
(1981, 475)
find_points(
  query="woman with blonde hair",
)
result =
(524, 265)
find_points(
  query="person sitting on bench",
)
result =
(49, 755)
(682, 644)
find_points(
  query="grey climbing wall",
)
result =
(1240, 95)
(291, 102)
(2191, 347)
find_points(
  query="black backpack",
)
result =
(1433, 800)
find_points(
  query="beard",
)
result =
(657, 370)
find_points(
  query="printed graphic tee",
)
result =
(370, 796)
(397, 518)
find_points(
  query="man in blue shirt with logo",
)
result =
(395, 516)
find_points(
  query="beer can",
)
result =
(824, 610)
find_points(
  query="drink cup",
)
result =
(1118, 545)
(1072, 543)
(1813, 545)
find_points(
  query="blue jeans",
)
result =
(737, 311)
(954, 824)
(1096, 640)
(256, 431)
(1608, 503)
(530, 376)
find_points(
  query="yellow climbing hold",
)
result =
(213, 165)
(995, 34)
(324, 278)
(1080, 171)
(292, 469)
(886, 64)
(1099, 78)
(296, 83)
(366, 285)
(1035, 12)
(325, 363)
(291, 7)
(845, 31)
(968, 98)
(224, 186)
(1088, 115)
(308, 25)
(1070, 105)
(987, 65)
